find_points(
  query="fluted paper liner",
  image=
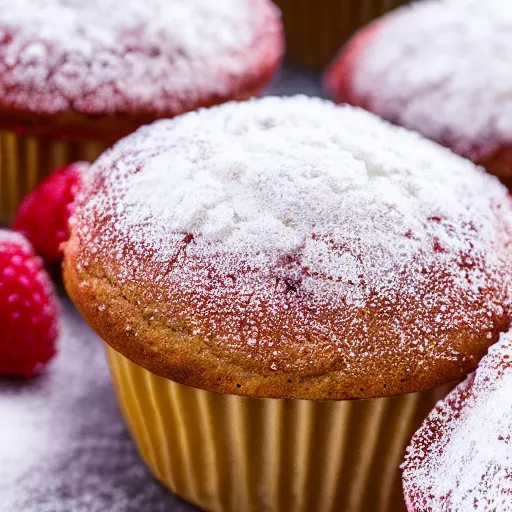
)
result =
(231, 453)
(315, 30)
(26, 161)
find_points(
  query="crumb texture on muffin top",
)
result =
(116, 57)
(291, 247)
(443, 68)
(461, 457)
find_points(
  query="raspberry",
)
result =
(28, 309)
(43, 215)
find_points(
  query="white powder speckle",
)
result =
(283, 222)
(63, 444)
(443, 68)
(7, 236)
(118, 56)
(461, 458)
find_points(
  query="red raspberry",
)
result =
(43, 215)
(28, 309)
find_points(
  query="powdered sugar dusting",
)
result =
(12, 237)
(461, 458)
(63, 444)
(115, 56)
(443, 68)
(283, 225)
(11, 242)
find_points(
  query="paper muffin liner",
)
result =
(316, 30)
(231, 453)
(25, 161)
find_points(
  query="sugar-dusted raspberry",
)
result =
(28, 309)
(43, 215)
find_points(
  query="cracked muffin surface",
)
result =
(288, 247)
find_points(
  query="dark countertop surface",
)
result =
(63, 444)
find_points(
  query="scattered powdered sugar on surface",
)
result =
(443, 68)
(113, 56)
(461, 458)
(276, 222)
(8, 236)
(63, 444)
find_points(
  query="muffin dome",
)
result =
(292, 248)
(441, 68)
(73, 63)
(460, 458)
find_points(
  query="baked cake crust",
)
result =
(292, 248)
(102, 68)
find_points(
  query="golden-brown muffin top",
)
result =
(101, 68)
(292, 248)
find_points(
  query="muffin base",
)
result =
(315, 30)
(233, 453)
(26, 160)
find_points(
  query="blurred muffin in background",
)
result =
(315, 30)
(441, 68)
(76, 76)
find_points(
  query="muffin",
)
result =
(441, 68)
(75, 76)
(461, 457)
(315, 30)
(256, 267)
